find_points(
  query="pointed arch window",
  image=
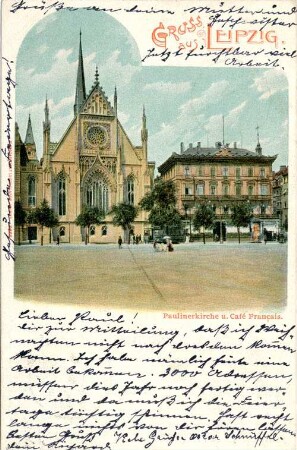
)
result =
(97, 193)
(130, 191)
(32, 192)
(62, 196)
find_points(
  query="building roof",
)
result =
(218, 153)
(282, 171)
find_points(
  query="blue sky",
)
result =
(182, 103)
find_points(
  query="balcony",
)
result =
(228, 199)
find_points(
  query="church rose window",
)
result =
(62, 196)
(32, 192)
(96, 136)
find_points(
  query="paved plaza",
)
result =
(194, 277)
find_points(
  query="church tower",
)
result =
(30, 143)
(80, 95)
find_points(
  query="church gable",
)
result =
(97, 103)
(67, 147)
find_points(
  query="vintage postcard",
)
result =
(148, 263)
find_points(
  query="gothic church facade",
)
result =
(94, 164)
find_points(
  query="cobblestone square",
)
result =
(195, 277)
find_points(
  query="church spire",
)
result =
(80, 94)
(46, 123)
(29, 135)
(144, 132)
(115, 100)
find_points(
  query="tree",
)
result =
(241, 216)
(90, 215)
(204, 217)
(20, 216)
(44, 216)
(52, 222)
(161, 204)
(124, 215)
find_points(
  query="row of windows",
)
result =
(225, 170)
(62, 230)
(200, 189)
(97, 194)
(225, 209)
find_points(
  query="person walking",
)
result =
(58, 240)
(120, 241)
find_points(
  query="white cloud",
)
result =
(123, 117)
(122, 74)
(42, 49)
(233, 115)
(214, 94)
(45, 22)
(55, 76)
(270, 83)
(193, 124)
(169, 87)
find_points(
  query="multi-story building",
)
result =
(280, 195)
(222, 176)
(94, 163)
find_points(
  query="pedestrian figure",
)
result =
(155, 245)
(265, 236)
(120, 241)
(58, 240)
(170, 246)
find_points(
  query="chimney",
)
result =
(182, 148)
(198, 144)
(235, 145)
(282, 168)
(191, 146)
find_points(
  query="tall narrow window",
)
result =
(130, 191)
(212, 172)
(251, 190)
(212, 189)
(225, 171)
(237, 171)
(32, 192)
(200, 189)
(225, 189)
(250, 171)
(62, 196)
(263, 189)
(238, 189)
